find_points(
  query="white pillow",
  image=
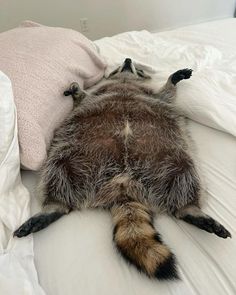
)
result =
(41, 62)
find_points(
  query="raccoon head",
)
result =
(128, 71)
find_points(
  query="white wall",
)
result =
(108, 17)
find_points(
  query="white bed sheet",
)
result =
(75, 255)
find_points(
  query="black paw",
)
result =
(180, 75)
(208, 224)
(22, 231)
(28, 227)
(36, 223)
(73, 89)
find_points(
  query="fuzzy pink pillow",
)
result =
(41, 62)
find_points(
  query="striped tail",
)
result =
(139, 243)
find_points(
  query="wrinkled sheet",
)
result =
(17, 270)
(76, 255)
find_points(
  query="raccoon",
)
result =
(125, 148)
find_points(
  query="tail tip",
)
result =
(167, 270)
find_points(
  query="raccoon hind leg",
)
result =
(41, 220)
(184, 195)
(193, 214)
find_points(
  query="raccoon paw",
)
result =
(28, 227)
(36, 223)
(208, 224)
(73, 89)
(180, 75)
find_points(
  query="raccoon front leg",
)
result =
(193, 214)
(77, 94)
(41, 220)
(168, 91)
(180, 75)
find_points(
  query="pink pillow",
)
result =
(41, 62)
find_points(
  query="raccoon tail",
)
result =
(138, 242)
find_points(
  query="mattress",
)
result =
(76, 254)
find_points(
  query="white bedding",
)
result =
(17, 270)
(75, 255)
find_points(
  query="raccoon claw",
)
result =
(223, 233)
(24, 230)
(180, 75)
(32, 225)
(219, 230)
(20, 232)
(67, 93)
(73, 89)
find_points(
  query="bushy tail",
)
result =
(139, 243)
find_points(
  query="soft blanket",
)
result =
(17, 271)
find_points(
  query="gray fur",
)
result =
(123, 142)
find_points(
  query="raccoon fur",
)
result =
(125, 148)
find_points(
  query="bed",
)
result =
(75, 255)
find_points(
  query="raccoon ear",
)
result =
(141, 74)
(113, 73)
